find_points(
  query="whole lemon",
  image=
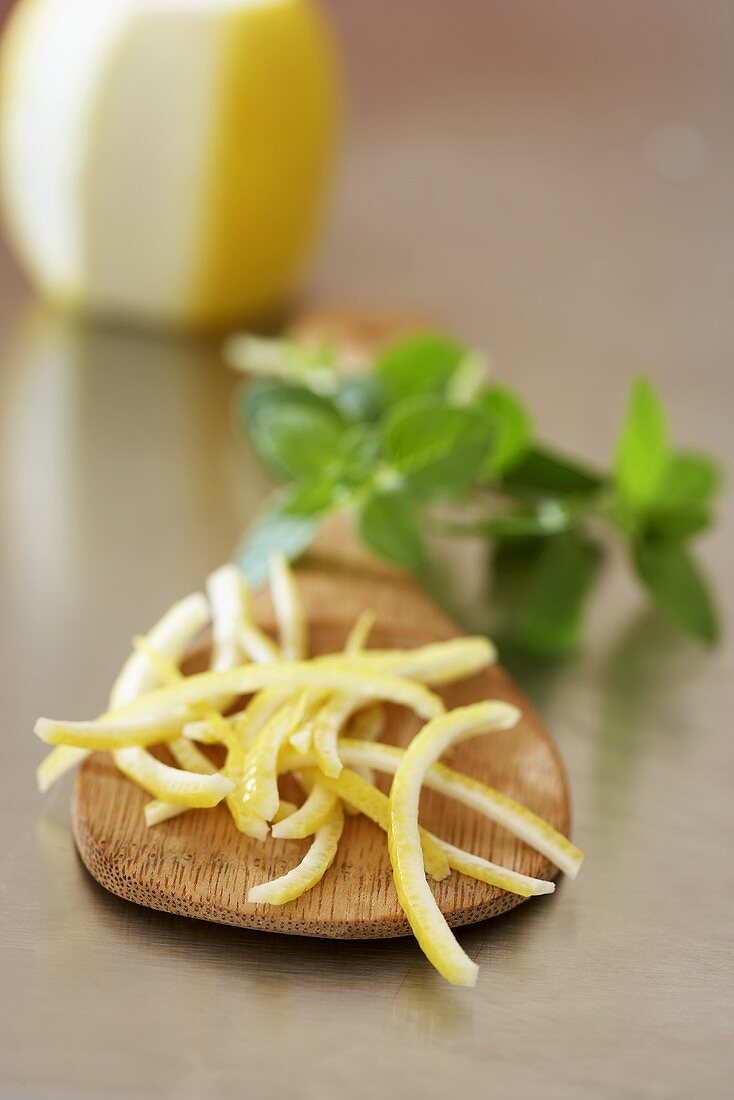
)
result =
(166, 160)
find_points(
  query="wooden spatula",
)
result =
(198, 865)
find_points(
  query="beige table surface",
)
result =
(555, 181)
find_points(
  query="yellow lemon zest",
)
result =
(374, 804)
(360, 632)
(404, 837)
(320, 720)
(310, 870)
(309, 816)
(288, 609)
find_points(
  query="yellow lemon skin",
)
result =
(167, 161)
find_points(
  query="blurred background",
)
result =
(554, 183)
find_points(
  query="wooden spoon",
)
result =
(198, 865)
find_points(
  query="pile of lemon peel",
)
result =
(319, 720)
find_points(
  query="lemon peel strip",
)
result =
(368, 724)
(110, 733)
(286, 808)
(167, 641)
(472, 793)
(458, 859)
(310, 870)
(510, 814)
(188, 757)
(435, 664)
(372, 719)
(360, 632)
(404, 839)
(442, 662)
(288, 609)
(326, 747)
(492, 873)
(166, 671)
(301, 738)
(251, 824)
(200, 731)
(172, 784)
(156, 811)
(258, 645)
(170, 636)
(252, 640)
(374, 804)
(309, 817)
(229, 606)
(326, 728)
(259, 784)
(191, 759)
(210, 687)
(246, 723)
(57, 763)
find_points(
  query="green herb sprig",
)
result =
(420, 441)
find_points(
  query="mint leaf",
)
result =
(423, 427)
(436, 448)
(360, 398)
(512, 566)
(541, 470)
(550, 518)
(295, 432)
(678, 524)
(313, 498)
(687, 479)
(420, 365)
(467, 379)
(550, 615)
(682, 502)
(512, 429)
(389, 525)
(360, 451)
(305, 442)
(274, 529)
(642, 450)
(677, 586)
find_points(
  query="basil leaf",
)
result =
(541, 470)
(436, 448)
(295, 432)
(512, 429)
(389, 525)
(642, 450)
(274, 529)
(420, 365)
(677, 586)
(550, 616)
